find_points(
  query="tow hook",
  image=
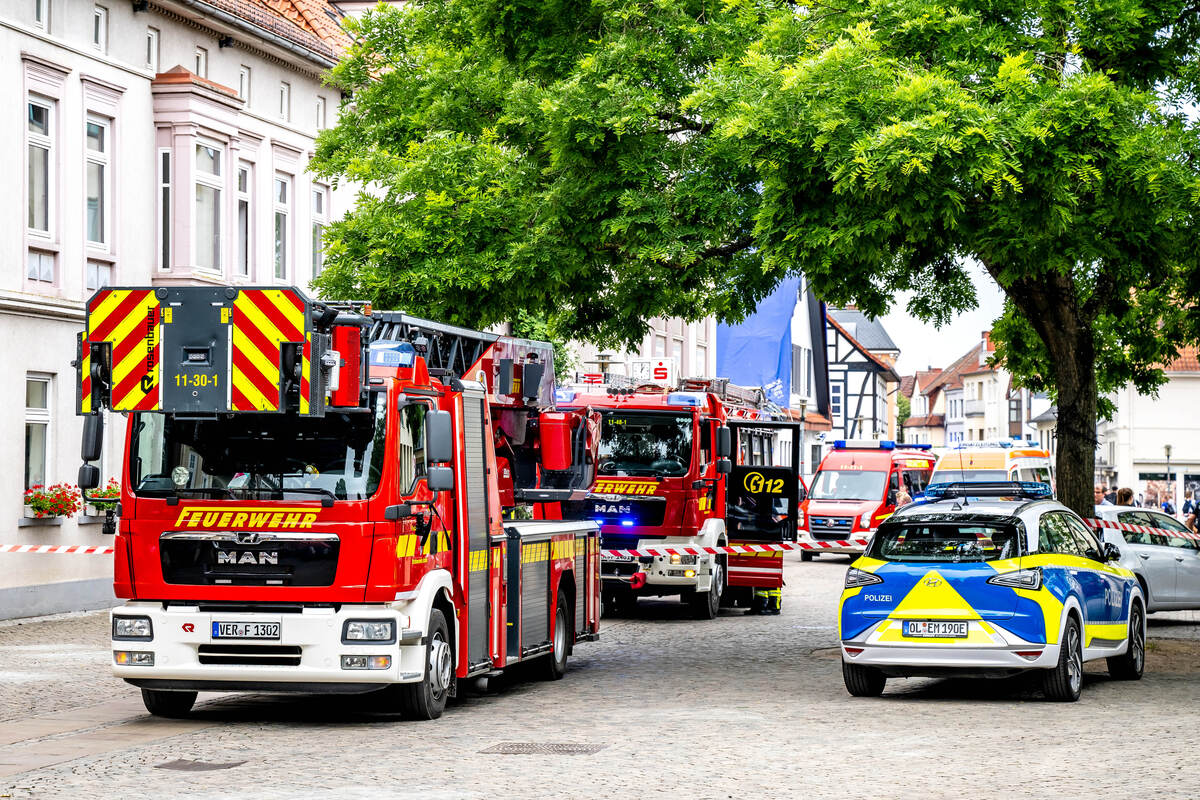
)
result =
(637, 580)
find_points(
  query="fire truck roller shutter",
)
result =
(581, 583)
(535, 592)
(477, 527)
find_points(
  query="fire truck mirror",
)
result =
(504, 381)
(401, 511)
(724, 466)
(89, 477)
(440, 479)
(439, 439)
(93, 437)
(531, 380)
(724, 443)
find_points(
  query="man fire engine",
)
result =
(669, 474)
(303, 512)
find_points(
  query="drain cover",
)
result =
(532, 748)
(183, 765)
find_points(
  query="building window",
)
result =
(660, 346)
(281, 196)
(37, 429)
(99, 275)
(39, 266)
(320, 113)
(835, 400)
(152, 49)
(244, 83)
(1014, 410)
(208, 206)
(285, 101)
(40, 151)
(41, 14)
(164, 209)
(97, 201)
(100, 28)
(320, 212)
(244, 216)
(677, 352)
(201, 62)
(700, 368)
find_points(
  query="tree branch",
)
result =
(683, 123)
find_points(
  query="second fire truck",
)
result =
(705, 463)
(312, 498)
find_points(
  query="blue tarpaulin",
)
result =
(758, 352)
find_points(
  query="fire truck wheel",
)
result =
(618, 603)
(806, 556)
(174, 705)
(706, 605)
(557, 660)
(427, 699)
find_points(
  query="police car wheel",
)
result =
(863, 681)
(806, 556)
(1129, 665)
(427, 699)
(1065, 682)
(173, 705)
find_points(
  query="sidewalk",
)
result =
(32, 584)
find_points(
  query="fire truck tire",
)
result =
(560, 647)
(618, 603)
(863, 681)
(805, 556)
(427, 699)
(174, 705)
(706, 605)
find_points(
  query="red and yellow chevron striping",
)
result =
(128, 320)
(263, 320)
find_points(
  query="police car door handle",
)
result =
(1143, 555)
(1179, 558)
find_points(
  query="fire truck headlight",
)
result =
(132, 628)
(366, 662)
(126, 658)
(364, 630)
(675, 559)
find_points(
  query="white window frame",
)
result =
(100, 28)
(163, 168)
(41, 416)
(320, 219)
(321, 105)
(41, 14)
(104, 160)
(285, 101)
(98, 265)
(201, 61)
(246, 196)
(152, 39)
(244, 75)
(46, 141)
(284, 208)
(217, 182)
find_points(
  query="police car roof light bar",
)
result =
(1027, 490)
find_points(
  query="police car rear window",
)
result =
(945, 542)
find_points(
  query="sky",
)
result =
(922, 345)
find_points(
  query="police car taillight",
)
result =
(1030, 579)
(857, 577)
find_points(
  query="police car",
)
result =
(989, 579)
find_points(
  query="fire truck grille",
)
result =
(830, 527)
(253, 655)
(218, 558)
(535, 748)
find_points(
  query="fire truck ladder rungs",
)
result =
(449, 346)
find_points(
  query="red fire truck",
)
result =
(669, 474)
(311, 498)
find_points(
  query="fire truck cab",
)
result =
(856, 488)
(306, 510)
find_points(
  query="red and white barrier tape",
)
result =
(1127, 526)
(72, 549)
(733, 549)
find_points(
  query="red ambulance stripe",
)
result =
(289, 331)
(110, 323)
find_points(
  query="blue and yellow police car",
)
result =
(989, 579)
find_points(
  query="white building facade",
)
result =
(158, 143)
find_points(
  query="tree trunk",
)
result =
(1051, 305)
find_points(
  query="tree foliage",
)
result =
(609, 161)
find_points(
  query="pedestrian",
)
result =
(903, 498)
(1124, 496)
(1101, 496)
(1189, 506)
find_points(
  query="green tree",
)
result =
(897, 139)
(903, 412)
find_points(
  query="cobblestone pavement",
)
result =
(737, 707)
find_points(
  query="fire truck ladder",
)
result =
(448, 347)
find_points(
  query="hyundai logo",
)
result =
(933, 580)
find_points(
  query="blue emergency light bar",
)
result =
(917, 446)
(1026, 490)
(864, 444)
(391, 354)
(564, 395)
(685, 399)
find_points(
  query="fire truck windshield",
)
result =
(645, 443)
(260, 456)
(838, 484)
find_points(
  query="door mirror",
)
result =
(397, 512)
(724, 444)
(440, 479)
(439, 438)
(724, 466)
(89, 477)
(93, 437)
(892, 496)
(1111, 552)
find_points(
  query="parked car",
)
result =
(968, 581)
(1168, 567)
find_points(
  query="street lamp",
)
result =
(803, 405)
(858, 426)
(1170, 483)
